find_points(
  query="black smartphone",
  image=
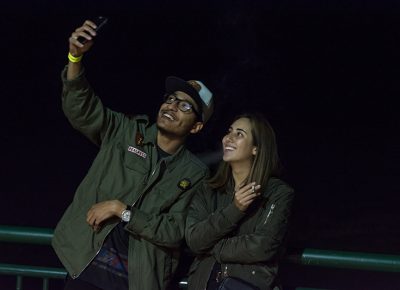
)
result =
(100, 21)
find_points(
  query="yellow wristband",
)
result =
(74, 58)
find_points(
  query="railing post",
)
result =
(45, 283)
(19, 283)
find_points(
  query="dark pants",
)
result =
(77, 284)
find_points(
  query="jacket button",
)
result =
(253, 272)
(73, 276)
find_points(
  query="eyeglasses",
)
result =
(183, 105)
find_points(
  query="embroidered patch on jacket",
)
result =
(184, 184)
(139, 139)
(137, 151)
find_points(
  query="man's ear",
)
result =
(196, 127)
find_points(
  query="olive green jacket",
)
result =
(247, 245)
(126, 169)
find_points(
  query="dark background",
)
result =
(325, 74)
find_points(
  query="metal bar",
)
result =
(32, 271)
(19, 283)
(346, 260)
(26, 235)
(45, 284)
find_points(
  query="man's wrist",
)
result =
(74, 59)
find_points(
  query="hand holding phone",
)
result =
(100, 21)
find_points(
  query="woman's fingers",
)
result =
(246, 195)
(249, 197)
(248, 189)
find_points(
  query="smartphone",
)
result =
(100, 21)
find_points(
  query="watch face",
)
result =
(126, 215)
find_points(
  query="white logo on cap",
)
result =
(205, 93)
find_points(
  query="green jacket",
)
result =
(126, 169)
(247, 245)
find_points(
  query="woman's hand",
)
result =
(102, 211)
(246, 195)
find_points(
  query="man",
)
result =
(125, 225)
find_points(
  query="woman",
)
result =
(237, 222)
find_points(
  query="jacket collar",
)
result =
(151, 135)
(171, 161)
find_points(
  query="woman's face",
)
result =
(238, 142)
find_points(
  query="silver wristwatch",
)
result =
(126, 214)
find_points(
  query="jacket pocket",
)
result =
(123, 175)
(135, 158)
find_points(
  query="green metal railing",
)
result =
(306, 257)
(25, 235)
(29, 235)
(21, 271)
(346, 260)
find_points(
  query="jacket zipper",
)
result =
(146, 182)
(74, 276)
(271, 211)
(143, 192)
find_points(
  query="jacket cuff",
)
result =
(138, 221)
(233, 214)
(77, 83)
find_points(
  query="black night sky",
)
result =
(324, 73)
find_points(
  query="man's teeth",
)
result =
(168, 116)
(229, 148)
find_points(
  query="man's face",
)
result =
(172, 121)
